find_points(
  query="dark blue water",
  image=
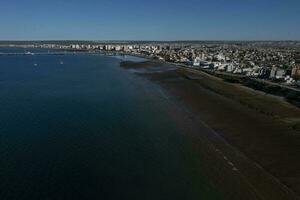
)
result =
(87, 129)
(24, 50)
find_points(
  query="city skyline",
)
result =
(155, 20)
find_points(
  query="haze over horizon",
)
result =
(150, 20)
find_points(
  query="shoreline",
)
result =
(290, 94)
(259, 141)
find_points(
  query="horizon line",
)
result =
(182, 40)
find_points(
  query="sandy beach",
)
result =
(250, 139)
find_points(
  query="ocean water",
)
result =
(81, 127)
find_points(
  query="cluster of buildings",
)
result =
(275, 61)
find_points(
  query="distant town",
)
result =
(273, 61)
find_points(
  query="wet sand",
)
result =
(250, 140)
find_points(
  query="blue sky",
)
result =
(150, 19)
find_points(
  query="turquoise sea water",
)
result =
(81, 127)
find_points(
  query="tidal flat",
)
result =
(255, 133)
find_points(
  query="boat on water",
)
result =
(29, 53)
(61, 62)
(35, 64)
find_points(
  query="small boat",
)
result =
(29, 53)
(61, 62)
(35, 64)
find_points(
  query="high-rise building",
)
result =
(273, 72)
(296, 68)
